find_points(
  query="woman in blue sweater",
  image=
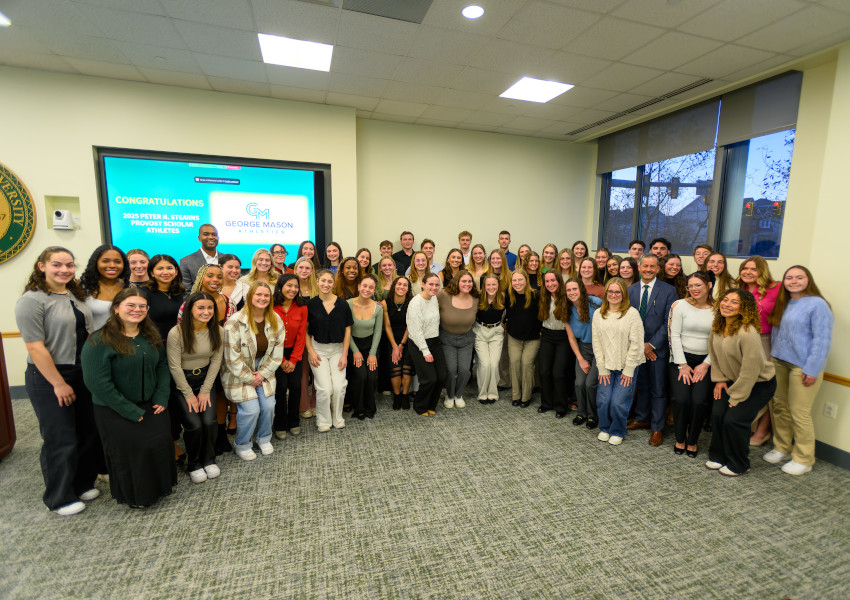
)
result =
(582, 308)
(800, 341)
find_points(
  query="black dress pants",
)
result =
(553, 361)
(287, 395)
(730, 426)
(432, 375)
(200, 429)
(691, 403)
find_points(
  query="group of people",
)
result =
(139, 350)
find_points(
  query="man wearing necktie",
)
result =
(653, 299)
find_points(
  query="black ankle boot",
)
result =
(397, 401)
(405, 401)
(222, 444)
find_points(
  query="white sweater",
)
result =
(689, 329)
(423, 321)
(618, 342)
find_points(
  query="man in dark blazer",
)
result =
(653, 299)
(189, 265)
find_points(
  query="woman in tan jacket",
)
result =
(253, 349)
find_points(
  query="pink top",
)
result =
(766, 304)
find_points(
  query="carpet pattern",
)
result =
(481, 502)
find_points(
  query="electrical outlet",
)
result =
(830, 410)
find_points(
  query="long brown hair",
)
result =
(38, 282)
(453, 288)
(498, 299)
(175, 288)
(562, 309)
(784, 297)
(748, 315)
(187, 324)
(764, 280)
(414, 274)
(583, 305)
(341, 283)
(112, 333)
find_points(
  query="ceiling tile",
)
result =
(361, 103)
(462, 99)
(529, 123)
(151, 7)
(622, 102)
(369, 32)
(231, 68)
(732, 19)
(164, 77)
(570, 68)
(229, 14)
(671, 50)
(434, 122)
(357, 61)
(132, 26)
(591, 115)
(299, 94)
(621, 78)
(481, 80)
(358, 85)
(836, 4)
(547, 25)
(29, 60)
(169, 59)
(664, 83)
(475, 127)
(511, 57)
(446, 14)
(446, 113)
(412, 92)
(417, 70)
(726, 59)
(50, 19)
(613, 38)
(299, 20)
(759, 68)
(600, 6)
(662, 13)
(17, 39)
(507, 106)
(803, 27)
(488, 118)
(392, 117)
(511, 131)
(219, 41)
(562, 128)
(297, 78)
(363, 114)
(583, 97)
(239, 86)
(446, 45)
(549, 110)
(836, 39)
(89, 48)
(97, 68)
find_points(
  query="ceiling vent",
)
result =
(641, 106)
(412, 11)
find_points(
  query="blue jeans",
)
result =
(613, 402)
(252, 414)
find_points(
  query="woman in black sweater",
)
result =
(523, 329)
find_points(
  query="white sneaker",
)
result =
(449, 403)
(266, 448)
(775, 457)
(212, 471)
(246, 454)
(198, 476)
(324, 429)
(70, 509)
(340, 425)
(710, 464)
(281, 435)
(295, 431)
(615, 440)
(603, 437)
(724, 470)
(459, 403)
(791, 467)
(90, 494)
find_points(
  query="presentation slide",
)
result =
(158, 205)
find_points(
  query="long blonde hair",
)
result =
(269, 315)
(624, 303)
(252, 274)
(311, 281)
(382, 281)
(414, 274)
(505, 274)
(764, 280)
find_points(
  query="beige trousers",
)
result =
(793, 429)
(523, 354)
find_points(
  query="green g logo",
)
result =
(17, 215)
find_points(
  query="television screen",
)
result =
(157, 202)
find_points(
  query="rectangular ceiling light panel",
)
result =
(535, 90)
(300, 54)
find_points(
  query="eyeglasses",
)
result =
(276, 252)
(696, 286)
(135, 306)
(615, 292)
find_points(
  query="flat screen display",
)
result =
(157, 202)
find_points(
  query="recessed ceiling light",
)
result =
(4, 20)
(535, 90)
(300, 54)
(473, 11)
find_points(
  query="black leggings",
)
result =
(286, 414)
(691, 403)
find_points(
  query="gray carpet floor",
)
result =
(482, 502)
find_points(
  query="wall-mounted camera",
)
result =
(62, 219)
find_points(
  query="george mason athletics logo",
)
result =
(17, 215)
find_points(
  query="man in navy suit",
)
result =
(653, 300)
(189, 264)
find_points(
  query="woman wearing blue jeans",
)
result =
(618, 348)
(253, 350)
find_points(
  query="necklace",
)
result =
(398, 306)
(111, 288)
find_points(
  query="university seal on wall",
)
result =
(17, 215)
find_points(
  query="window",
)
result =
(754, 195)
(620, 208)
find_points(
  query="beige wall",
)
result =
(437, 182)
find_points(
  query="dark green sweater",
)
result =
(116, 381)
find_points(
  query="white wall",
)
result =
(437, 182)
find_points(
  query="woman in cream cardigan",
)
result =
(618, 348)
(253, 350)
